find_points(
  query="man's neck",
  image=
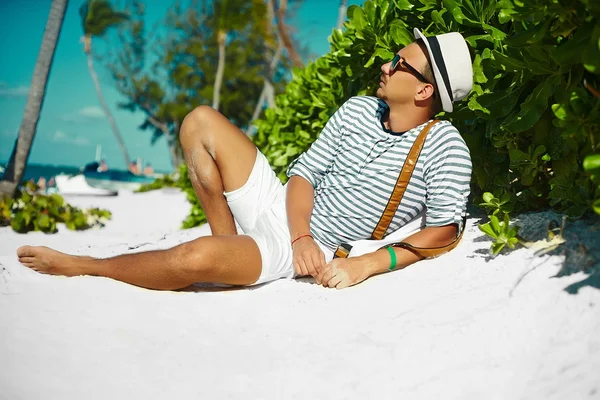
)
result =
(402, 119)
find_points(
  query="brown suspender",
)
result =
(401, 183)
(343, 250)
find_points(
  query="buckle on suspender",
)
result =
(342, 251)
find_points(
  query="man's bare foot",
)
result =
(47, 261)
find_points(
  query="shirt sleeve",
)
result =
(447, 176)
(313, 164)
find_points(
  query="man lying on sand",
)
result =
(336, 193)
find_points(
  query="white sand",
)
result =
(446, 328)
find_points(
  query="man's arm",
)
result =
(344, 272)
(308, 258)
(299, 205)
(305, 174)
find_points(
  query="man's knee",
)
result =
(194, 258)
(193, 124)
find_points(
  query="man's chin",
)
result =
(381, 94)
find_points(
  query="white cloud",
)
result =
(59, 136)
(18, 91)
(91, 112)
(86, 114)
(81, 141)
(62, 137)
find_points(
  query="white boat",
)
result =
(78, 186)
(113, 179)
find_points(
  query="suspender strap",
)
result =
(401, 183)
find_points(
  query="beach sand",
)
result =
(455, 327)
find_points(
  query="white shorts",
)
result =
(259, 208)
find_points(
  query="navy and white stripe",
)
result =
(354, 165)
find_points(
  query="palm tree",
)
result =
(342, 13)
(232, 15)
(284, 34)
(18, 159)
(268, 92)
(97, 16)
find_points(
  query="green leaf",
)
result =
(457, 12)
(437, 17)
(530, 36)
(403, 5)
(533, 107)
(497, 248)
(591, 162)
(384, 54)
(496, 33)
(591, 56)
(495, 224)
(500, 103)
(26, 215)
(359, 19)
(571, 51)
(43, 221)
(507, 63)
(400, 34)
(560, 112)
(488, 197)
(487, 229)
(596, 206)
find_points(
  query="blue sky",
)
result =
(71, 123)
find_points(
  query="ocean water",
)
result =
(35, 171)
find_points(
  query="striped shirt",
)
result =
(354, 165)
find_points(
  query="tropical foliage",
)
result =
(30, 210)
(165, 76)
(529, 121)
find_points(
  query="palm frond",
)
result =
(97, 16)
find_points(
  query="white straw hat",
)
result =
(452, 66)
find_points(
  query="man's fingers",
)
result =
(302, 267)
(335, 280)
(342, 285)
(327, 276)
(311, 268)
(316, 259)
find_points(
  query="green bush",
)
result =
(529, 121)
(33, 211)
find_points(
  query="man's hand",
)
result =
(307, 257)
(342, 272)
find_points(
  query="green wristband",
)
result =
(393, 258)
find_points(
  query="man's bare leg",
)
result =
(219, 158)
(231, 259)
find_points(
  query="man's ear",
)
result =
(426, 91)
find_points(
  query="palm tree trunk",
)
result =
(222, 35)
(342, 13)
(268, 92)
(18, 159)
(109, 116)
(285, 36)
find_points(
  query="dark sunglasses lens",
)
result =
(395, 61)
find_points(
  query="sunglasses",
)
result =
(398, 60)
